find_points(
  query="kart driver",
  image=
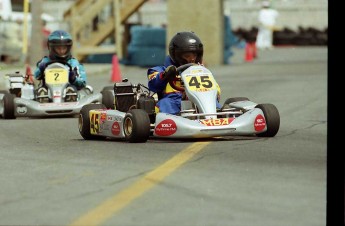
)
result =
(59, 46)
(184, 48)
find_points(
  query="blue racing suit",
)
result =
(169, 99)
(77, 68)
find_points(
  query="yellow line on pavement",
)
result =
(109, 207)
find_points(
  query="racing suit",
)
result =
(169, 99)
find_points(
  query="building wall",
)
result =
(243, 13)
(207, 24)
(292, 13)
(203, 17)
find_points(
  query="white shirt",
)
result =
(267, 17)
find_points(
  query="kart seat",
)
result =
(124, 96)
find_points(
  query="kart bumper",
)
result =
(172, 126)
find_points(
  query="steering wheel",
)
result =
(179, 70)
(56, 61)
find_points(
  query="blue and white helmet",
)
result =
(59, 38)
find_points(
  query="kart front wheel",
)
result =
(84, 122)
(235, 99)
(272, 118)
(8, 101)
(136, 126)
(107, 88)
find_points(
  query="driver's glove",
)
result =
(169, 73)
(41, 67)
(72, 77)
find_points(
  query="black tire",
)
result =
(108, 99)
(235, 99)
(136, 126)
(106, 88)
(84, 122)
(272, 118)
(8, 101)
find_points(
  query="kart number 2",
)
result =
(56, 76)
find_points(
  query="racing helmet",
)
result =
(59, 38)
(182, 42)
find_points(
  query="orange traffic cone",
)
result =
(255, 54)
(248, 53)
(115, 72)
(28, 75)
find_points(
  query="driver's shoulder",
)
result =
(44, 59)
(156, 69)
(74, 62)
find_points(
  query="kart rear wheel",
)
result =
(272, 119)
(136, 126)
(8, 101)
(84, 122)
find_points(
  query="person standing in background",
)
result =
(267, 20)
(45, 32)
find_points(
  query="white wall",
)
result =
(243, 13)
(292, 13)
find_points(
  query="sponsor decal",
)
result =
(104, 126)
(22, 110)
(166, 127)
(103, 117)
(56, 94)
(197, 71)
(115, 129)
(114, 118)
(259, 123)
(217, 121)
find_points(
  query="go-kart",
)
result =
(22, 100)
(128, 113)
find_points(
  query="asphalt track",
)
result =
(49, 175)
